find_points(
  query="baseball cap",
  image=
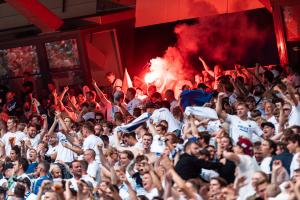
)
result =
(246, 145)
(270, 124)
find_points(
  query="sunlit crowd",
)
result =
(229, 135)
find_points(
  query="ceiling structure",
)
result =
(23, 13)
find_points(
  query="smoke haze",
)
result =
(222, 39)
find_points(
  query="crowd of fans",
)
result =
(132, 145)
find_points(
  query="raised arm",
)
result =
(100, 93)
(167, 164)
(131, 192)
(291, 91)
(134, 150)
(155, 178)
(232, 156)
(209, 71)
(36, 104)
(45, 126)
(85, 90)
(62, 95)
(220, 112)
(74, 148)
(102, 158)
(238, 88)
(53, 126)
(61, 121)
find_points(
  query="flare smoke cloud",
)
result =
(222, 39)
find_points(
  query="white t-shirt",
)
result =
(158, 144)
(208, 174)
(51, 150)
(164, 114)
(246, 128)
(32, 196)
(87, 178)
(91, 142)
(94, 171)
(232, 99)
(64, 154)
(247, 167)
(294, 164)
(16, 137)
(265, 165)
(123, 189)
(134, 103)
(153, 193)
(275, 122)
(34, 141)
(213, 126)
(3, 182)
(294, 118)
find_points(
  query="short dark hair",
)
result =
(137, 112)
(221, 181)
(269, 76)
(131, 134)
(129, 154)
(104, 138)
(205, 136)
(242, 104)
(26, 181)
(169, 92)
(189, 143)
(84, 164)
(45, 165)
(156, 95)
(148, 134)
(132, 91)
(32, 125)
(74, 161)
(119, 116)
(109, 125)
(293, 138)
(163, 128)
(89, 126)
(24, 163)
(272, 145)
(17, 150)
(229, 87)
(14, 119)
(250, 99)
(165, 104)
(140, 158)
(19, 190)
(255, 113)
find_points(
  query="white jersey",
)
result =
(245, 128)
(10, 139)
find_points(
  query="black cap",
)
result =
(267, 124)
(150, 105)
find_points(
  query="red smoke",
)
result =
(224, 39)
